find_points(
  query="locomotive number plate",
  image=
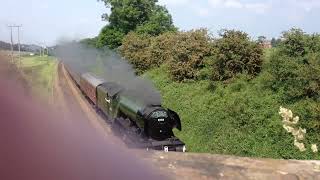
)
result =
(160, 120)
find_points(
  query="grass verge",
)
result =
(40, 73)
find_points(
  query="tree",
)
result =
(128, 15)
(110, 37)
(92, 42)
(159, 22)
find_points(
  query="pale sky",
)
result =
(47, 21)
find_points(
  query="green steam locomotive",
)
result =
(140, 124)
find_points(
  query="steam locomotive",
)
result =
(140, 124)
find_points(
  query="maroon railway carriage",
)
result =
(75, 76)
(89, 84)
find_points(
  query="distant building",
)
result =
(267, 45)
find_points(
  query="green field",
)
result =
(40, 73)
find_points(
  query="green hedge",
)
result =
(235, 54)
(295, 66)
(189, 51)
(195, 54)
(136, 48)
(184, 52)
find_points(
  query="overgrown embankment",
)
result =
(238, 119)
(11, 74)
(228, 91)
(40, 73)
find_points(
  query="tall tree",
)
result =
(110, 37)
(128, 15)
(159, 22)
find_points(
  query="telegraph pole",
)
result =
(11, 33)
(11, 43)
(19, 48)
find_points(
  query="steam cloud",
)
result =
(109, 66)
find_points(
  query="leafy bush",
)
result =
(136, 48)
(294, 74)
(294, 43)
(236, 53)
(188, 53)
(145, 52)
(161, 48)
(295, 67)
(313, 43)
(297, 78)
(183, 51)
(309, 113)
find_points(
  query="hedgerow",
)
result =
(295, 66)
(234, 54)
(247, 105)
(189, 51)
(184, 52)
(161, 48)
(136, 49)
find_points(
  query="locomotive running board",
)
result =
(173, 144)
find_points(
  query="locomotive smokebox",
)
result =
(159, 122)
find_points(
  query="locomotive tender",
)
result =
(143, 125)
